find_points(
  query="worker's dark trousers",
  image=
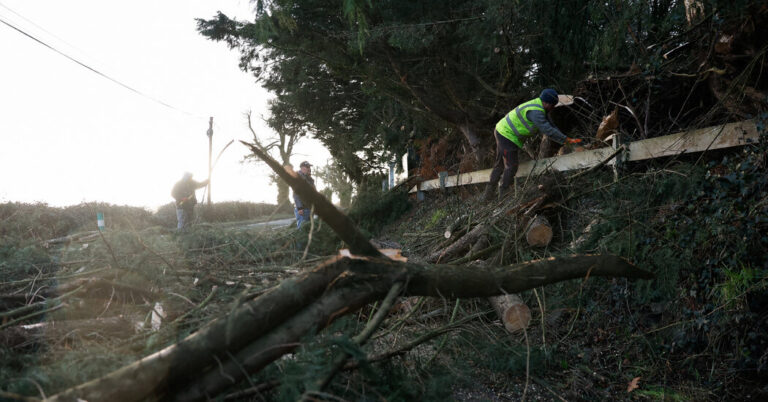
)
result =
(506, 162)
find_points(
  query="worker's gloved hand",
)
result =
(572, 140)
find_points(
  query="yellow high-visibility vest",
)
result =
(516, 126)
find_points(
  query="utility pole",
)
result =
(210, 150)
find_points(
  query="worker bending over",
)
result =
(513, 130)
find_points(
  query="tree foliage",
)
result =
(362, 76)
(337, 182)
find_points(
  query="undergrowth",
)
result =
(698, 331)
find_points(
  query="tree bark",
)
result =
(282, 192)
(340, 223)
(470, 133)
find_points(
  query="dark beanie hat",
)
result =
(549, 95)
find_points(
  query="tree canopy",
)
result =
(363, 77)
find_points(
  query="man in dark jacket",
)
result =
(511, 132)
(302, 210)
(184, 194)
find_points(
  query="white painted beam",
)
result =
(716, 137)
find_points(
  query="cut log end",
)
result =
(513, 312)
(539, 234)
(517, 317)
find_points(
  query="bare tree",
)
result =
(287, 136)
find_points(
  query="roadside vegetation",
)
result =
(75, 309)
(429, 79)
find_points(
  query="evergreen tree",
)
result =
(361, 76)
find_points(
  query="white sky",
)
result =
(68, 135)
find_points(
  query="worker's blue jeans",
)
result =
(183, 217)
(301, 218)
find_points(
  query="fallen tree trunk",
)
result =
(154, 373)
(340, 223)
(85, 236)
(268, 326)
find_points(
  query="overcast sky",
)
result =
(70, 135)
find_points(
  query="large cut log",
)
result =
(512, 311)
(539, 233)
(510, 308)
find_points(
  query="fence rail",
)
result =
(715, 137)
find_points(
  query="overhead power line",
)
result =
(19, 30)
(39, 27)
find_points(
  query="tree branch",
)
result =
(340, 223)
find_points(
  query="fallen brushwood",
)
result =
(77, 237)
(535, 227)
(61, 330)
(100, 286)
(462, 244)
(544, 196)
(41, 305)
(264, 328)
(456, 228)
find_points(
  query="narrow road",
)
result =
(279, 222)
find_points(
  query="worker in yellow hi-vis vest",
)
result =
(513, 130)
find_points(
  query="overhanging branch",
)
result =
(340, 223)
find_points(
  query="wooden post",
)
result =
(210, 151)
(619, 159)
(392, 174)
(442, 176)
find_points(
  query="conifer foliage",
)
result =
(364, 77)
